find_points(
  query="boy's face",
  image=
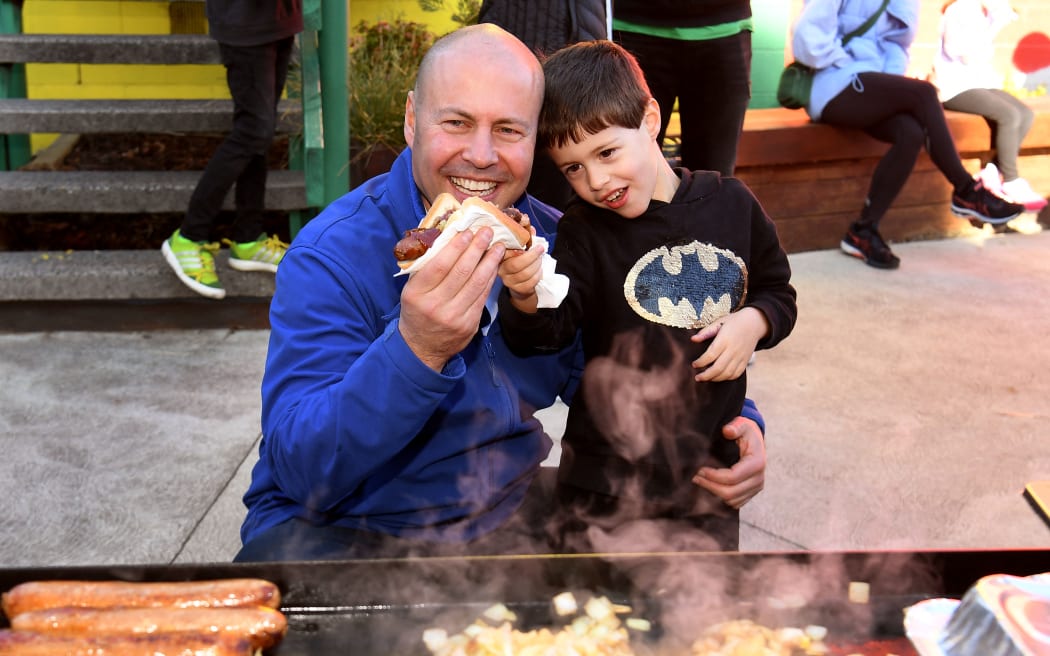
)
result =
(618, 168)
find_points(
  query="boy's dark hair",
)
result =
(590, 86)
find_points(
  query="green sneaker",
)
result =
(194, 263)
(263, 254)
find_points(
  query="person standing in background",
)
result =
(966, 80)
(545, 26)
(255, 40)
(698, 51)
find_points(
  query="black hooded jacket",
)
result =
(546, 25)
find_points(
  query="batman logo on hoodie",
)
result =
(686, 285)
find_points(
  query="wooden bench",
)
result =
(812, 178)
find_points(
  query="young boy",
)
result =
(675, 278)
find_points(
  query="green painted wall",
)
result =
(768, 42)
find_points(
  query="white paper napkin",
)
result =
(553, 287)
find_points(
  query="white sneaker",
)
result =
(991, 179)
(1020, 192)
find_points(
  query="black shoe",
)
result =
(866, 243)
(976, 202)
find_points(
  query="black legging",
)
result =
(255, 76)
(905, 113)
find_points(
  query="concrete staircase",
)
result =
(115, 275)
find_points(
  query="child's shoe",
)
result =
(194, 263)
(991, 179)
(263, 254)
(1020, 192)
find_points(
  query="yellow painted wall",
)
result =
(98, 81)
(118, 81)
(439, 22)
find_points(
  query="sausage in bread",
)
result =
(446, 211)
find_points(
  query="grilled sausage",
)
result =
(23, 643)
(262, 626)
(223, 593)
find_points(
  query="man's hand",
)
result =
(739, 483)
(441, 303)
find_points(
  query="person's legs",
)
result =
(714, 89)
(1009, 118)
(906, 138)
(887, 122)
(877, 96)
(711, 81)
(529, 531)
(297, 539)
(250, 191)
(532, 529)
(250, 74)
(658, 59)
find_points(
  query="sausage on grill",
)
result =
(262, 626)
(22, 643)
(223, 593)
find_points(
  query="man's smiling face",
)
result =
(472, 121)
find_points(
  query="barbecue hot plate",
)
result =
(382, 606)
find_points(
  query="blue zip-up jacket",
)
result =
(357, 432)
(817, 42)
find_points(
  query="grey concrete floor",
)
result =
(907, 410)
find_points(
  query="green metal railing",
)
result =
(14, 148)
(323, 148)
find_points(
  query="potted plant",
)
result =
(384, 58)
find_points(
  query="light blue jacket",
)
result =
(817, 42)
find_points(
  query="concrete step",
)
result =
(21, 116)
(114, 275)
(126, 192)
(109, 48)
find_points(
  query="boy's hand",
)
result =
(734, 341)
(521, 272)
